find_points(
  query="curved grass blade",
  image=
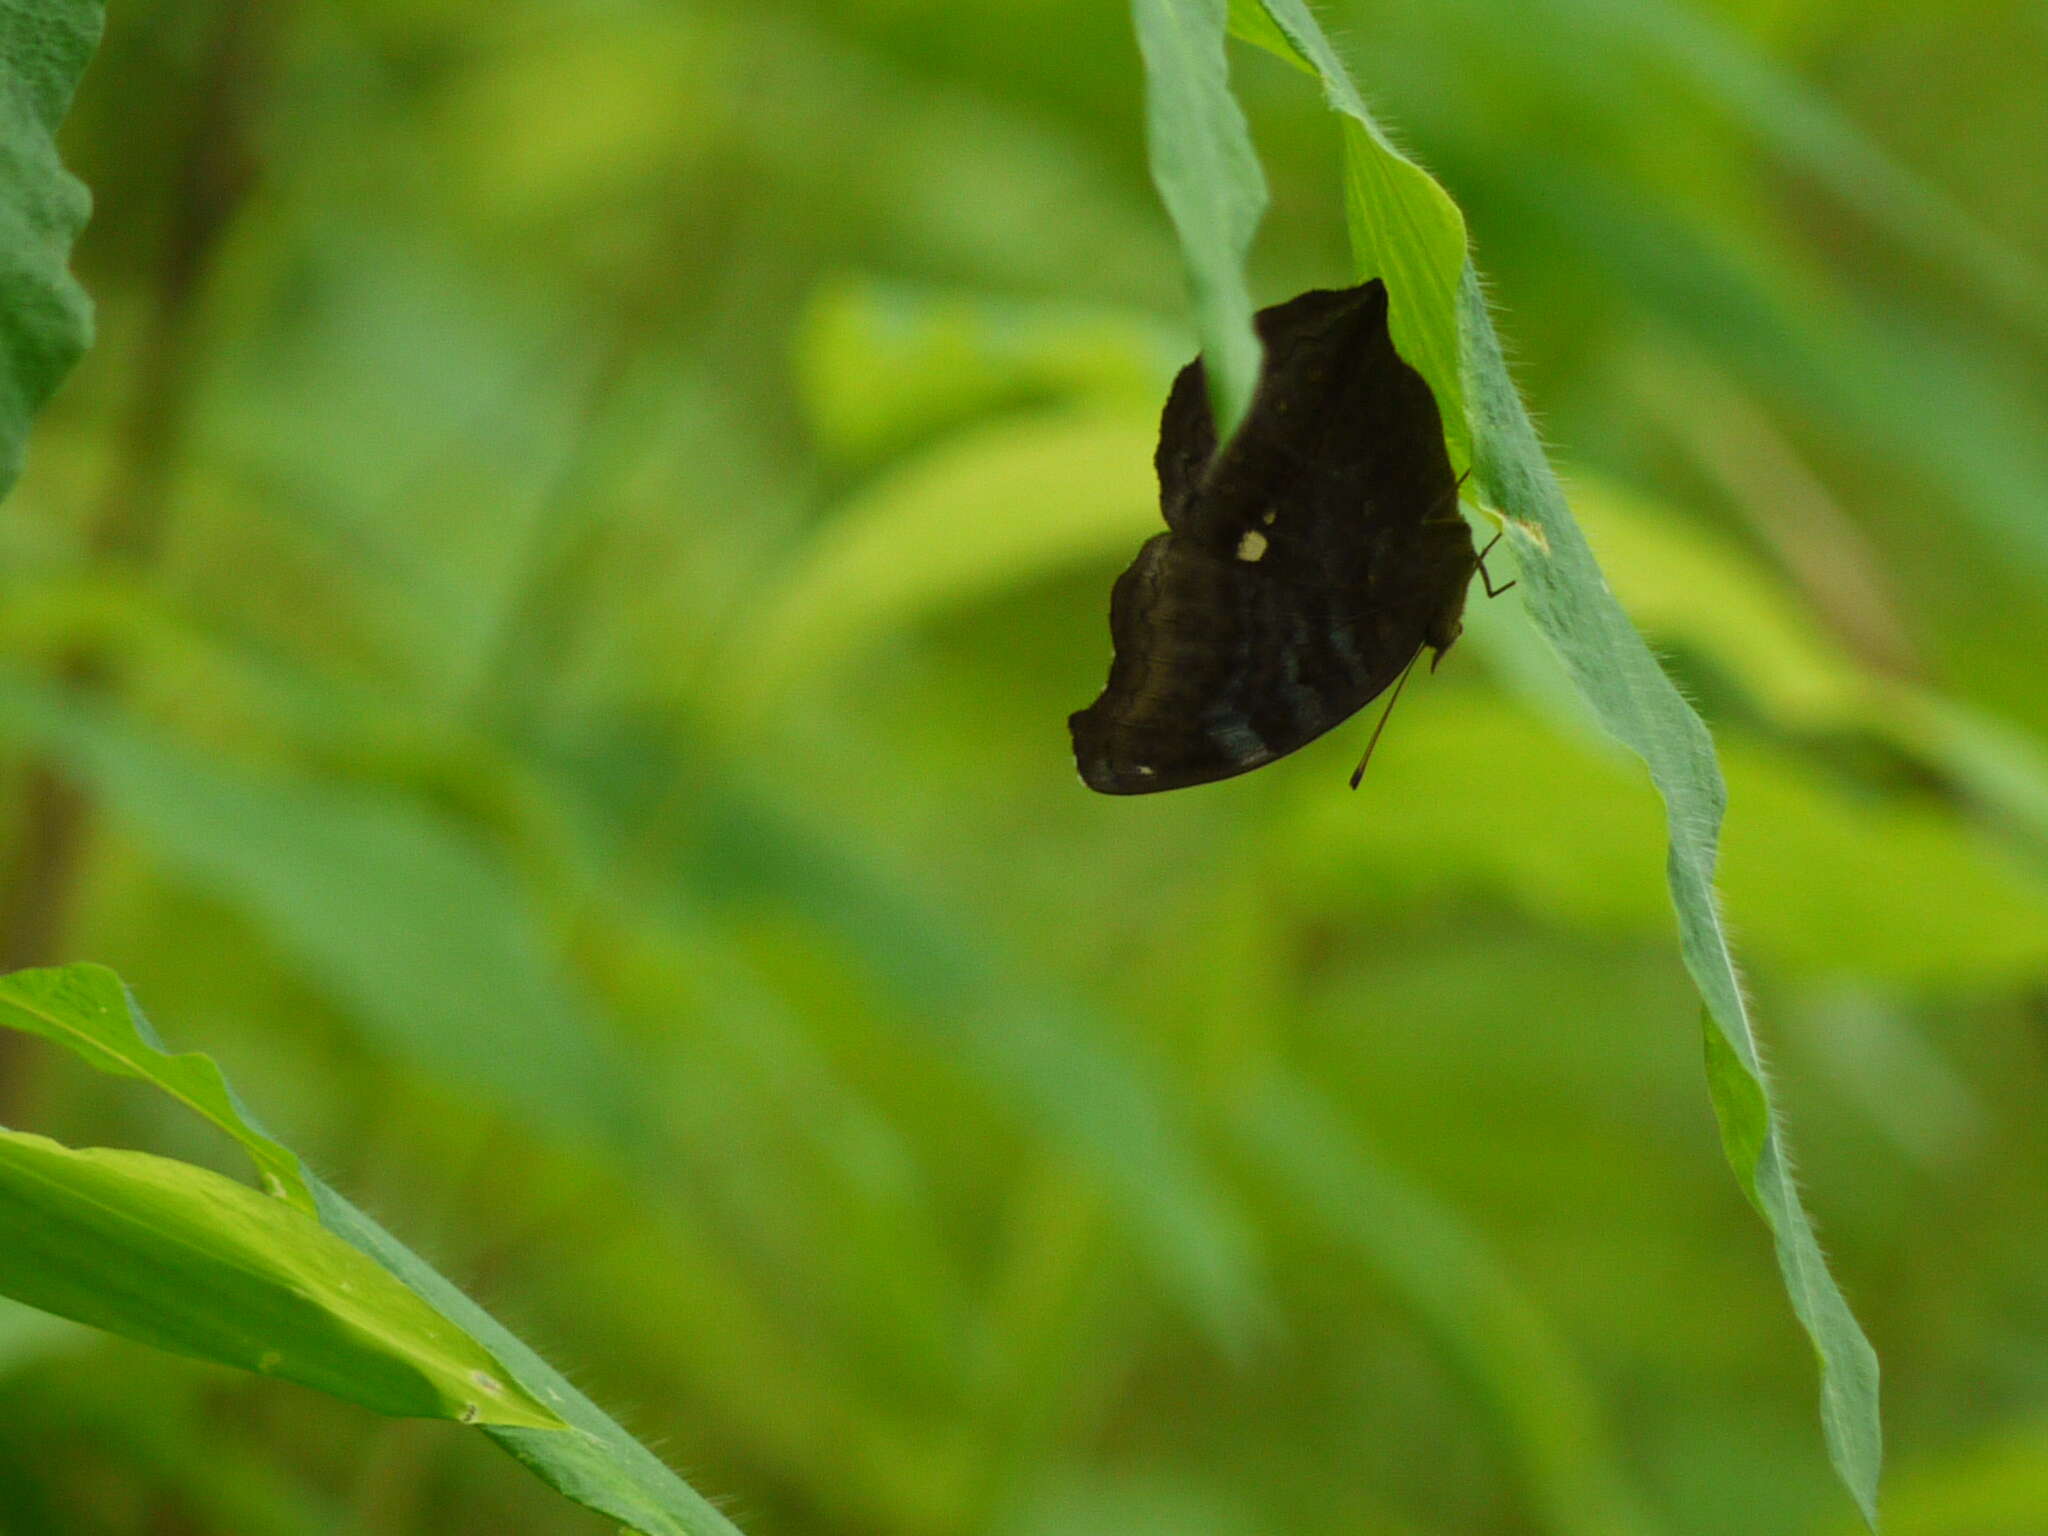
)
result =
(1210, 181)
(182, 1259)
(45, 318)
(87, 1009)
(1636, 703)
(1633, 700)
(591, 1460)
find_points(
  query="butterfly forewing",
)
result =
(1302, 569)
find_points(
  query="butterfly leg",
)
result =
(1487, 576)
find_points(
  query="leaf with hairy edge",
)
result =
(45, 318)
(1740, 1106)
(586, 1456)
(1210, 181)
(185, 1260)
(1398, 220)
(1615, 672)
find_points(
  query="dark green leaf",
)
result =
(45, 318)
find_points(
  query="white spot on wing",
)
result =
(1252, 546)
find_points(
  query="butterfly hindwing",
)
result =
(1218, 669)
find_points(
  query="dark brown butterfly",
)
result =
(1304, 568)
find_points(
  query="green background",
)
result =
(553, 601)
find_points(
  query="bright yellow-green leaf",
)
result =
(86, 1008)
(180, 1258)
(884, 367)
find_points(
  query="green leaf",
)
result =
(599, 1466)
(183, 1259)
(1404, 227)
(593, 1461)
(45, 318)
(1635, 701)
(27, 1336)
(86, 1008)
(1740, 1106)
(1210, 181)
(1398, 222)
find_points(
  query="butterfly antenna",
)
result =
(1385, 715)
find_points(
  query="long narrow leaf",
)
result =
(1635, 701)
(1404, 227)
(1397, 231)
(180, 1258)
(87, 1009)
(1210, 181)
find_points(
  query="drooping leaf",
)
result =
(1210, 181)
(1636, 702)
(1617, 676)
(182, 1259)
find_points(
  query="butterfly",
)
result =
(1304, 568)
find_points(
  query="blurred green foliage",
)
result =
(551, 608)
